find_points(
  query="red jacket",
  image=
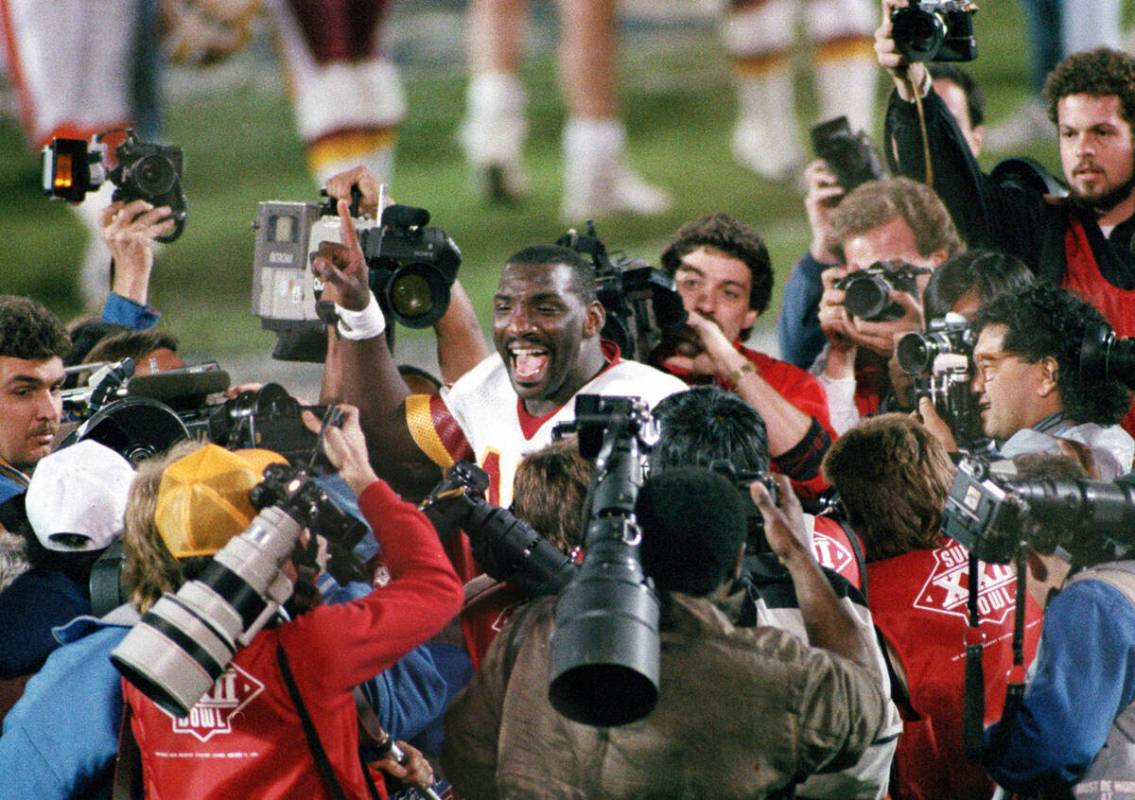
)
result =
(245, 738)
(918, 601)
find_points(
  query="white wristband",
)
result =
(359, 325)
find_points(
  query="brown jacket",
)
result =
(741, 712)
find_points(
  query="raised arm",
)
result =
(827, 621)
(368, 376)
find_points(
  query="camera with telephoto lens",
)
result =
(1107, 357)
(993, 515)
(182, 645)
(742, 479)
(140, 171)
(411, 269)
(935, 30)
(605, 652)
(852, 157)
(868, 290)
(643, 306)
(940, 361)
(508, 548)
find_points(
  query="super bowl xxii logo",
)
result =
(946, 591)
(831, 553)
(214, 712)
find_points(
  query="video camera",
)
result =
(935, 30)
(994, 515)
(605, 656)
(183, 644)
(868, 290)
(941, 364)
(852, 157)
(140, 171)
(507, 547)
(412, 267)
(643, 306)
(141, 416)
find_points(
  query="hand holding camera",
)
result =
(342, 267)
(783, 520)
(823, 194)
(345, 447)
(703, 349)
(129, 230)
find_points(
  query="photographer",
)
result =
(790, 710)
(798, 326)
(893, 478)
(723, 273)
(1029, 380)
(32, 345)
(897, 221)
(201, 503)
(1080, 242)
(546, 324)
(1073, 732)
(707, 425)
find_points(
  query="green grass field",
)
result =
(241, 148)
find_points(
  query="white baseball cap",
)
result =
(76, 501)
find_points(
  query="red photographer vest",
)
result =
(918, 601)
(1082, 277)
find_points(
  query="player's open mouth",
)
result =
(528, 363)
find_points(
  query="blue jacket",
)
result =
(798, 326)
(1085, 675)
(61, 738)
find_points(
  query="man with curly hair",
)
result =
(724, 275)
(32, 344)
(1082, 241)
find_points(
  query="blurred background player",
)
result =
(347, 95)
(761, 37)
(71, 83)
(598, 179)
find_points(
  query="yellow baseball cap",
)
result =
(203, 498)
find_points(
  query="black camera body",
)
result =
(295, 490)
(643, 306)
(868, 290)
(412, 266)
(508, 548)
(948, 381)
(993, 515)
(852, 157)
(742, 479)
(1107, 357)
(935, 30)
(142, 171)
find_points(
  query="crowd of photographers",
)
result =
(616, 552)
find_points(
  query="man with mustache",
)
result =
(32, 344)
(724, 275)
(546, 324)
(1083, 242)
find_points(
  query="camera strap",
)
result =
(322, 763)
(973, 708)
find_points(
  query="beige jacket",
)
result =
(741, 712)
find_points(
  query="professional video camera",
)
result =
(412, 268)
(141, 416)
(183, 644)
(935, 30)
(941, 363)
(508, 548)
(643, 307)
(993, 515)
(605, 656)
(852, 157)
(140, 171)
(868, 290)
